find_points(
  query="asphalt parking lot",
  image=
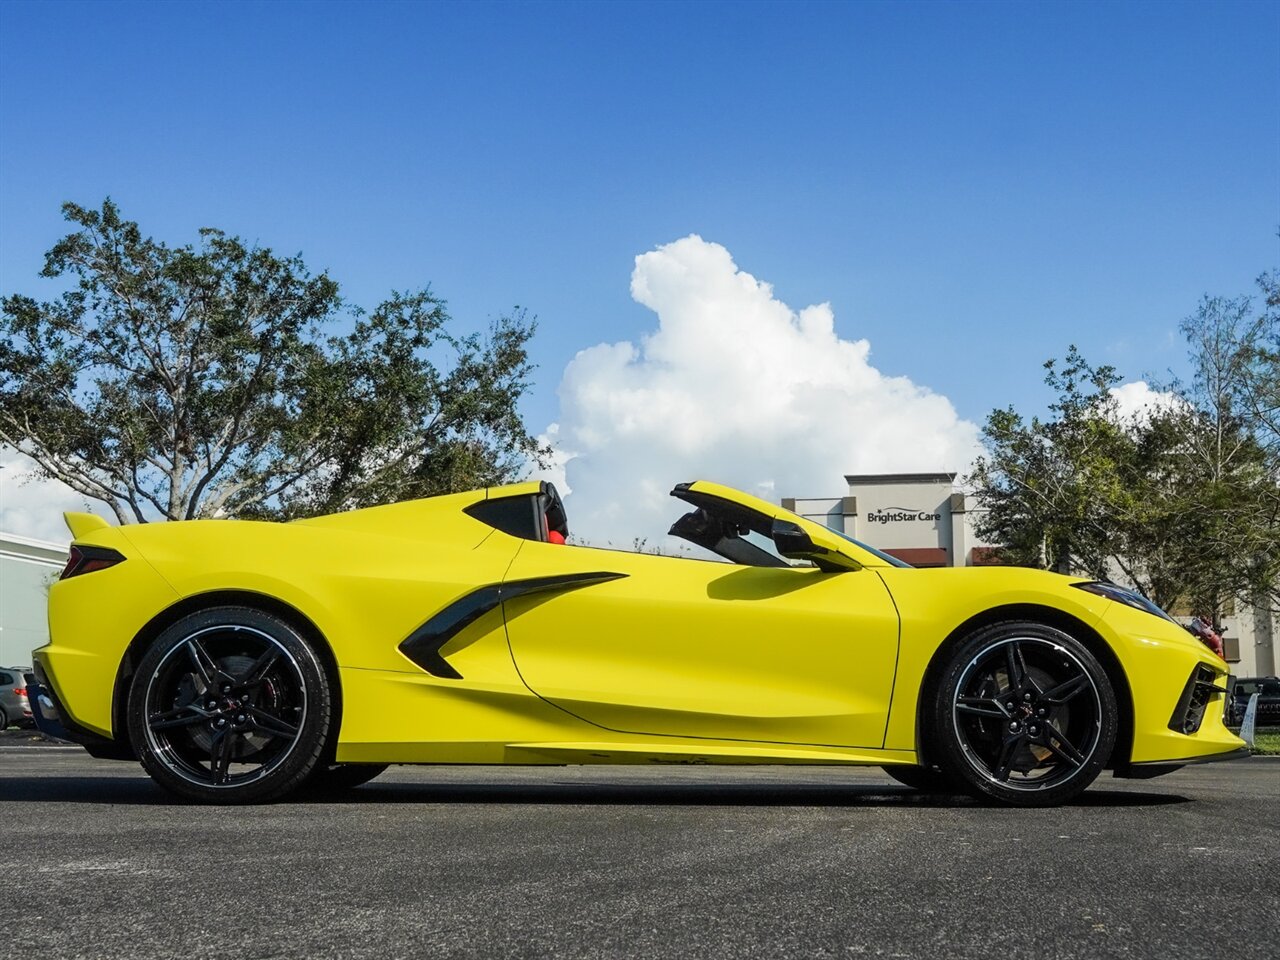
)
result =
(636, 862)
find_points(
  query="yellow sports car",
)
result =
(242, 660)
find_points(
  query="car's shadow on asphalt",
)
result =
(701, 794)
(139, 791)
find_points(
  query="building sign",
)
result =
(899, 514)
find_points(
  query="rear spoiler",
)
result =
(83, 524)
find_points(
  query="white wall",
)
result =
(27, 568)
(1256, 631)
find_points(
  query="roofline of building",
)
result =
(852, 478)
(21, 541)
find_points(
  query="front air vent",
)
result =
(1199, 692)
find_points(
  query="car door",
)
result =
(679, 647)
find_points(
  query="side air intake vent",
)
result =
(1199, 692)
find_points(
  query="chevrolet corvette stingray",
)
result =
(240, 661)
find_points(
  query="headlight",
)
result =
(1130, 598)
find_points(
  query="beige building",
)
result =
(917, 517)
(1250, 636)
(923, 519)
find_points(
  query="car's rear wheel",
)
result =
(4, 719)
(230, 705)
(924, 779)
(1024, 714)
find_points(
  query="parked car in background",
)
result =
(14, 707)
(1268, 691)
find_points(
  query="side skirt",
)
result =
(640, 752)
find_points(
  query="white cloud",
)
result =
(737, 387)
(1138, 401)
(33, 507)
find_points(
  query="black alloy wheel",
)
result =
(1025, 715)
(230, 705)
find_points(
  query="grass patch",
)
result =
(1267, 743)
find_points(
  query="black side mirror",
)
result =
(792, 542)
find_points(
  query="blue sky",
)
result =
(970, 186)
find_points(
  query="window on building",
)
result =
(1231, 649)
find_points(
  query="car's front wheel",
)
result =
(1024, 714)
(230, 705)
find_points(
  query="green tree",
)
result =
(200, 380)
(1229, 438)
(1181, 500)
(1049, 485)
(1236, 349)
(1262, 367)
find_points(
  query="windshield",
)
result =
(887, 558)
(730, 518)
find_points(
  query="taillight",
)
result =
(88, 559)
(20, 691)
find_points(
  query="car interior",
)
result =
(728, 530)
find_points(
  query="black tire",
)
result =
(924, 779)
(331, 778)
(1023, 714)
(230, 705)
(4, 719)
